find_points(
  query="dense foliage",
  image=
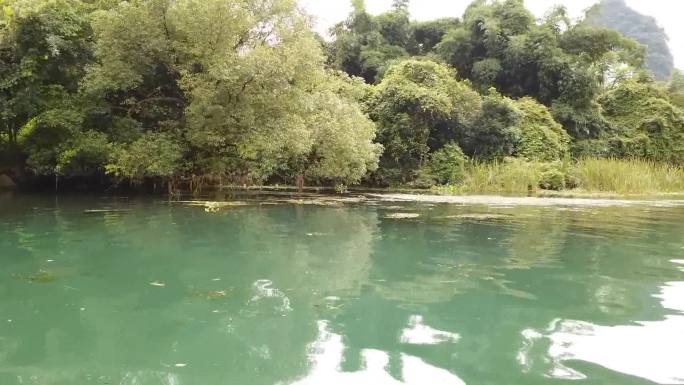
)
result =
(244, 91)
(547, 88)
(222, 87)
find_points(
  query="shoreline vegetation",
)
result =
(183, 96)
(602, 178)
(586, 177)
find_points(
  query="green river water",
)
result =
(358, 293)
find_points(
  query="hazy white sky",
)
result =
(668, 13)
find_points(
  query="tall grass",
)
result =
(628, 176)
(513, 176)
(587, 175)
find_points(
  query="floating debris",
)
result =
(213, 294)
(180, 365)
(483, 216)
(216, 294)
(323, 200)
(107, 211)
(402, 215)
(157, 284)
(212, 206)
(314, 202)
(42, 276)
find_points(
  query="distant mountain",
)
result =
(617, 15)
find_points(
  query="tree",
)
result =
(44, 45)
(676, 89)
(364, 45)
(238, 86)
(498, 44)
(427, 34)
(419, 107)
(343, 150)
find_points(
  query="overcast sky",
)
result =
(668, 13)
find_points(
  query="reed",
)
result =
(628, 176)
(586, 175)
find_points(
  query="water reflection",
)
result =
(407, 301)
(420, 334)
(649, 349)
(326, 355)
(150, 378)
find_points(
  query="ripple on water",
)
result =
(652, 349)
(326, 355)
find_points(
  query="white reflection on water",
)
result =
(326, 357)
(264, 289)
(150, 377)
(420, 334)
(652, 349)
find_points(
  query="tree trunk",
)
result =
(299, 182)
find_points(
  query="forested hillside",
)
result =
(243, 91)
(644, 29)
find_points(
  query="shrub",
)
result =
(552, 178)
(495, 133)
(542, 138)
(447, 165)
(646, 123)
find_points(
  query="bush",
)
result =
(542, 138)
(646, 124)
(590, 148)
(552, 177)
(447, 165)
(495, 133)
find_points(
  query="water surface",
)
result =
(352, 293)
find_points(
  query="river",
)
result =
(141, 291)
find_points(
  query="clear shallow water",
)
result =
(294, 294)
